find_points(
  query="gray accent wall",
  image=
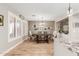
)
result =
(36, 23)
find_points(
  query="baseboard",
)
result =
(3, 53)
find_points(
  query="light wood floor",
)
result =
(30, 48)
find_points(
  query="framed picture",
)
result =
(1, 20)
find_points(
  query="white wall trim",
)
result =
(3, 53)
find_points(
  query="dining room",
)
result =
(41, 31)
(40, 40)
(38, 29)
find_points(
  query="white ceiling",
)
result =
(42, 11)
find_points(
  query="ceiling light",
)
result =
(69, 11)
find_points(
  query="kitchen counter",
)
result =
(62, 47)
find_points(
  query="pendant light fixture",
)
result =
(42, 22)
(69, 9)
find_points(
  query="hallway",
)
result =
(39, 22)
(30, 48)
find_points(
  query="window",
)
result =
(18, 24)
(12, 27)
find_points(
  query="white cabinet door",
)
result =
(61, 50)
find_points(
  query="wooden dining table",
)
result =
(42, 38)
